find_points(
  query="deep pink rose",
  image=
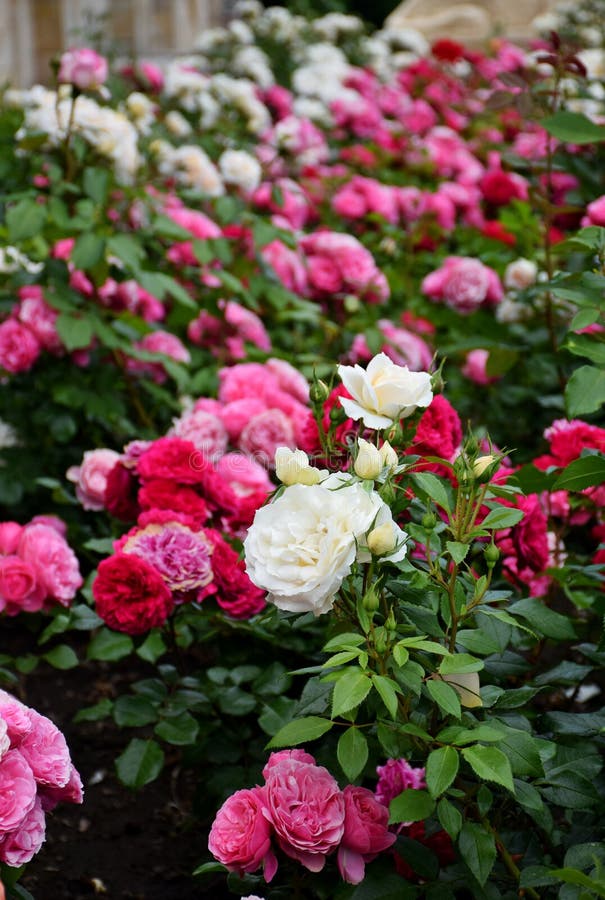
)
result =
(240, 836)
(20, 845)
(171, 458)
(306, 808)
(90, 477)
(19, 589)
(10, 533)
(17, 790)
(130, 595)
(82, 67)
(45, 750)
(53, 560)
(19, 347)
(396, 776)
(366, 833)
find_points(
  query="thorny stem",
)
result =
(507, 858)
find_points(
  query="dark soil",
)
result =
(119, 844)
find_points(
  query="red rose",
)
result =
(439, 431)
(235, 593)
(120, 494)
(162, 493)
(172, 458)
(131, 595)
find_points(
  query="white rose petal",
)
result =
(384, 392)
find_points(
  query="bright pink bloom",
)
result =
(40, 318)
(287, 265)
(17, 790)
(395, 776)
(45, 750)
(180, 555)
(475, 367)
(281, 756)
(240, 836)
(19, 347)
(19, 846)
(19, 588)
(82, 67)
(53, 560)
(205, 430)
(365, 835)
(10, 534)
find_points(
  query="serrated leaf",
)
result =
(522, 751)
(76, 332)
(100, 710)
(109, 645)
(345, 656)
(134, 711)
(441, 769)
(450, 817)
(88, 250)
(458, 663)
(444, 696)
(299, 731)
(544, 620)
(140, 763)
(457, 550)
(61, 657)
(585, 391)
(477, 849)
(430, 486)
(352, 752)
(344, 641)
(387, 688)
(490, 764)
(411, 805)
(180, 730)
(502, 517)
(350, 690)
(581, 473)
(25, 220)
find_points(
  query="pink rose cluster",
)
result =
(38, 568)
(301, 810)
(36, 773)
(464, 284)
(404, 345)
(30, 329)
(226, 337)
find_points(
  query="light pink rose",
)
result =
(90, 477)
(20, 845)
(324, 275)
(193, 221)
(19, 347)
(243, 380)
(475, 367)
(289, 379)
(14, 714)
(17, 790)
(463, 284)
(236, 414)
(45, 750)
(287, 265)
(265, 433)
(72, 792)
(243, 474)
(52, 522)
(205, 430)
(158, 342)
(366, 833)
(40, 318)
(240, 836)
(53, 560)
(306, 808)
(82, 67)
(281, 756)
(19, 589)
(247, 324)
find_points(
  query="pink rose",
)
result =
(53, 560)
(265, 433)
(395, 776)
(243, 474)
(19, 589)
(281, 756)
(324, 275)
(475, 367)
(205, 430)
(191, 220)
(19, 347)
(17, 790)
(365, 835)
(306, 808)
(287, 265)
(39, 317)
(82, 67)
(10, 533)
(90, 477)
(45, 750)
(19, 846)
(236, 414)
(162, 342)
(463, 284)
(289, 379)
(240, 836)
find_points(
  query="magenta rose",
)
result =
(365, 835)
(19, 347)
(170, 458)
(82, 67)
(19, 589)
(10, 533)
(45, 750)
(240, 836)
(306, 808)
(19, 846)
(395, 776)
(17, 790)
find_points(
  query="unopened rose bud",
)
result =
(380, 639)
(292, 467)
(382, 539)
(466, 685)
(492, 555)
(482, 464)
(368, 463)
(428, 521)
(371, 600)
(351, 303)
(388, 456)
(390, 622)
(318, 392)
(337, 415)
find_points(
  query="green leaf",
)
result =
(581, 473)
(299, 731)
(100, 710)
(88, 250)
(457, 550)
(387, 688)
(128, 249)
(75, 332)
(350, 690)
(152, 648)
(454, 734)
(25, 220)
(209, 868)
(344, 641)
(180, 730)
(430, 486)
(109, 645)
(528, 796)
(544, 620)
(61, 657)
(522, 751)
(573, 128)
(502, 517)
(478, 850)
(411, 806)
(96, 184)
(352, 752)
(458, 663)
(134, 711)
(140, 763)
(450, 817)
(586, 345)
(585, 391)
(444, 696)
(441, 769)
(490, 764)
(574, 876)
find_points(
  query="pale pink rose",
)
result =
(265, 433)
(289, 379)
(52, 522)
(19, 589)
(10, 533)
(243, 474)
(45, 750)
(306, 808)
(463, 284)
(193, 221)
(80, 282)
(281, 756)
(395, 776)
(205, 430)
(90, 477)
(82, 67)
(53, 560)
(240, 836)
(287, 265)
(40, 318)
(365, 835)
(17, 790)
(14, 714)
(475, 367)
(19, 347)
(19, 846)
(248, 325)
(243, 380)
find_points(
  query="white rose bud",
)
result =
(368, 464)
(292, 467)
(481, 464)
(466, 685)
(520, 274)
(388, 456)
(382, 539)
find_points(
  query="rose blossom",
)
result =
(90, 477)
(131, 595)
(45, 750)
(240, 836)
(306, 808)
(365, 835)
(181, 556)
(82, 67)
(10, 533)
(53, 561)
(395, 776)
(463, 284)
(264, 433)
(475, 367)
(204, 430)
(19, 846)
(19, 589)
(384, 392)
(17, 790)
(19, 347)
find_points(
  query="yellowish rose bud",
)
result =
(368, 464)
(292, 467)
(466, 685)
(382, 539)
(482, 464)
(388, 456)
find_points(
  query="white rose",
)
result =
(384, 392)
(520, 274)
(292, 467)
(241, 169)
(301, 547)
